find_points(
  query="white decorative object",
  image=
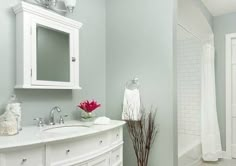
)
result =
(10, 120)
(15, 108)
(70, 4)
(52, 4)
(28, 19)
(99, 145)
(102, 121)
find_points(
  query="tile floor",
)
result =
(221, 163)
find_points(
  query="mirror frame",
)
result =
(51, 25)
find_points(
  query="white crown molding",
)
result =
(37, 10)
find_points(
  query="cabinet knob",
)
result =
(73, 59)
(100, 142)
(117, 156)
(24, 160)
(67, 151)
(117, 135)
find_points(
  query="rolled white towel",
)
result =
(131, 105)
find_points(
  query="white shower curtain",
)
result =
(210, 133)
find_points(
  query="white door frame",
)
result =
(228, 90)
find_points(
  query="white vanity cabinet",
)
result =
(47, 48)
(101, 148)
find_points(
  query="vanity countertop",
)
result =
(32, 135)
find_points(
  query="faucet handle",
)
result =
(61, 120)
(40, 121)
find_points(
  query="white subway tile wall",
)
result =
(189, 52)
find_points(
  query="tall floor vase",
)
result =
(142, 133)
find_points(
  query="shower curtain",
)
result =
(210, 133)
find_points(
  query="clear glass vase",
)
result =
(87, 116)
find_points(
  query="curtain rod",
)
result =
(186, 29)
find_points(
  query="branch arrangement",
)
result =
(143, 134)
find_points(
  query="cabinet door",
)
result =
(24, 157)
(116, 157)
(100, 161)
(50, 66)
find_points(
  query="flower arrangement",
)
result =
(89, 106)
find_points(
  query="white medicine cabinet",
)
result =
(47, 49)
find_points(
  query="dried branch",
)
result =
(142, 133)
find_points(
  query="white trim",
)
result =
(46, 87)
(42, 12)
(228, 90)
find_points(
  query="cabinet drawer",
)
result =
(72, 150)
(100, 161)
(116, 135)
(80, 165)
(116, 156)
(25, 157)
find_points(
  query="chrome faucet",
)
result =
(40, 122)
(51, 117)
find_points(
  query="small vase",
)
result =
(87, 116)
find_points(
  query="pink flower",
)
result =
(89, 106)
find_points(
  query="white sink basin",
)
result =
(66, 129)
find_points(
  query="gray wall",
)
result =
(37, 103)
(205, 11)
(221, 26)
(140, 43)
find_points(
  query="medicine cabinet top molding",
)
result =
(42, 12)
(47, 49)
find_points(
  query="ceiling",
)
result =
(220, 7)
